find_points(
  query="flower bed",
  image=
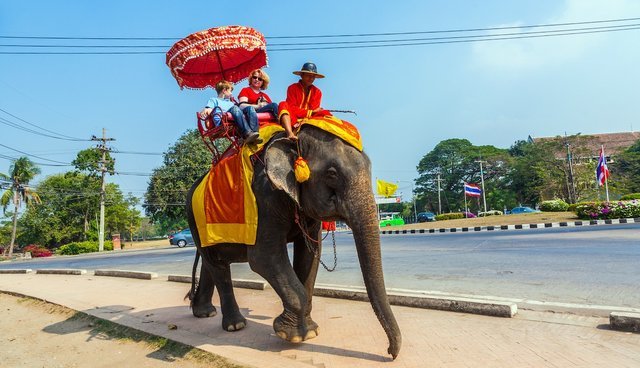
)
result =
(608, 210)
(37, 251)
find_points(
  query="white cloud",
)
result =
(537, 52)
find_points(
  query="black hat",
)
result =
(309, 68)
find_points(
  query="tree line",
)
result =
(63, 208)
(524, 174)
(527, 173)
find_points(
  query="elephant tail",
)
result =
(194, 281)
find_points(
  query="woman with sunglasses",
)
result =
(253, 100)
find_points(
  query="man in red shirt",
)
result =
(303, 99)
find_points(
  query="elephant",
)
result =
(339, 188)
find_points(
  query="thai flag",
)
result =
(602, 171)
(472, 190)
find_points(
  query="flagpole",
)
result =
(466, 209)
(606, 177)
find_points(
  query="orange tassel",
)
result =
(301, 170)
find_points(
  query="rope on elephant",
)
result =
(314, 250)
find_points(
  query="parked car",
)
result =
(181, 238)
(522, 209)
(426, 217)
(390, 219)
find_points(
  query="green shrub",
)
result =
(556, 205)
(630, 196)
(608, 210)
(449, 216)
(82, 247)
(490, 213)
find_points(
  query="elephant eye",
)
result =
(332, 173)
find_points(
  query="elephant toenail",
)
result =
(310, 334)
(296, 339)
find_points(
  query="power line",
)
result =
(333, 35)
(38, 157)
(138, 153)
(15, 125)
(489, 38)
(612, 27)
(407, 42)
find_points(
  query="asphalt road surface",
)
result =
(595, 265)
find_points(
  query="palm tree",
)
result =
(21, 172)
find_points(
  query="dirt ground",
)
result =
(34, 333)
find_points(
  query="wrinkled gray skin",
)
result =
(339, 188)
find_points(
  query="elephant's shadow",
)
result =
(194, 331)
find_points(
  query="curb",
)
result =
(127, 274)
(451, 304)
(515, 227)
(61, 272)
(239, 283)
(26, 270)
(624, 321)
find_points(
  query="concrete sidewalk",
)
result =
(350, 335)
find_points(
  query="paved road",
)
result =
(586, 265)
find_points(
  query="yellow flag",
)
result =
(385, 188)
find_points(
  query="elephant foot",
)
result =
(293, 333)
(235, 322)
(204, 311)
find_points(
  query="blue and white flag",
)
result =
(472, 190)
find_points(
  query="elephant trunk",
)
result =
(363, 220)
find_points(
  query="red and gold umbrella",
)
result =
(204, 58)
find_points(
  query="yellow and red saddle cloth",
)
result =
(224, 205)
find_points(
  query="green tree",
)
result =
(21, 172)
(70, 209)
(184, 162)
(626, 167)
(456, 162)
(561, 168)
(89, 161)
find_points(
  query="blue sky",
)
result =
(407, 98)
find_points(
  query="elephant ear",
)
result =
(279, 158)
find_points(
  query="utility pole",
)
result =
(103, 170)
(572, 184)
(484, 198)
(439, 200)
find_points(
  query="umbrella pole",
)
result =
(220, 64)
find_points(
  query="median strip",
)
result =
(25, 270)
(451, 304)
(239, 283)
(127, 274)
(545, 225)
(624, 321)
(61, 272)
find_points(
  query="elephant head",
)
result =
(339, 188)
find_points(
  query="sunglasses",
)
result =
(258, 78)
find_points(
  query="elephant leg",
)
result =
(305, 265)
(232, 319)
(201, 305)
(274, 266)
